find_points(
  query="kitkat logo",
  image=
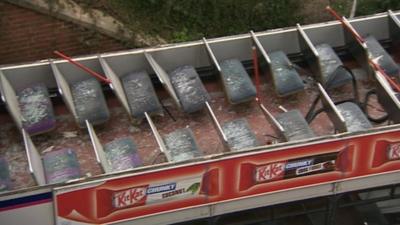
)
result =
(269, 172)
(394, 151)
(130, 197)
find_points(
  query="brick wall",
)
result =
(26, 35)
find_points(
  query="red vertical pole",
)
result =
(389, 79)
(375, 65)
(256, 73)
(339, 18)
(86, 69)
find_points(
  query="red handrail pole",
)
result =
(361, 41)
(86, 69)
(256, 73)
(389, 79)
(339, 18)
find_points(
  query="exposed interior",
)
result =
(23, 152)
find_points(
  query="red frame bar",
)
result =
(86, 69)
(256, 73)
(339, 18)
(362, 41)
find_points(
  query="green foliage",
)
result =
(342, 6)
(183, 20)
(366, 7)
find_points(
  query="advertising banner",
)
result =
(237, 176)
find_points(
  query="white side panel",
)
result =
(331, 34)
(239, 48)
(306, 43)
(211, 54)
(260, 47)
(63, 88)
(41, 214)
(34, 159)
(98, 148)
(377, 27)
(271, 119)
(116, 84)
(158, 137)
(394, 26)
(163, 77)
(332, 111)
(310, 53)
(357, 49)
(8, 92)
(217, 125)
(283, 40)
(386, 86)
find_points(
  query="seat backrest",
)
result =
(286, 79)
(188, 87)
(181, 145)
(237, 84)
(331, 110)
(294, 125)
(140, 94)
(239, 134)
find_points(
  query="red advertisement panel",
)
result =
(247, 174)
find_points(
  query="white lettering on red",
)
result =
(270, 172)
(129, 197)
(394, 151)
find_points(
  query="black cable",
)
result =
(155, 158)
(375, 120)
(317, 112)
(354, 84)
(168, 112)
(311, 115)
(271, 136)
(364, 109)
(363, 105)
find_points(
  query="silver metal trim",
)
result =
(211, 55)
(260, 47)
(157, 136)
(336, 116)
(307, 40)
(216, 123)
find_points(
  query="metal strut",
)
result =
(330, 215)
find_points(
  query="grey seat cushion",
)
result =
(294, 125)
(286, 79)
(181, 145)
(189, 88)
(354, 117)
(239, 134)
(36, 109)
(5, 179)
(140, 94)
(61, 165)
(89, 102)
(122, 154)
(237, 83)
(330, 65)
(387, 63)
